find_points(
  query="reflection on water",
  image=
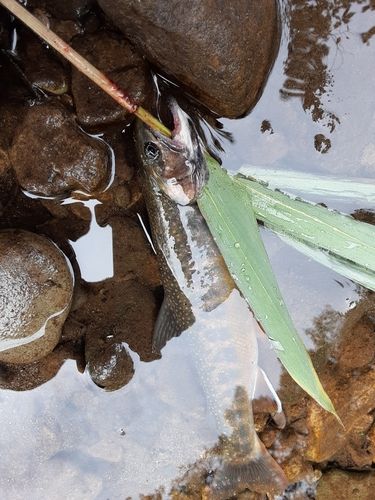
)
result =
(320, 92)
(133, 440)
(94, 250)
(317, 114)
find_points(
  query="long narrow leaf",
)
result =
(289, 180)
(315, 226)
(340, 266)
(227, 208)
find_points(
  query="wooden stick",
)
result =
(83, 65)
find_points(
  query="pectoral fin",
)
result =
(166, 327)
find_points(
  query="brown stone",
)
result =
(132, 253)
(49, 74)
(36, 287)
(63, 9)
(352, 399)
(220, 51)
(29, 376)
(122, 64)
(7, 182)
(356, 348)
(52, 156)
(124, 311)
(343, 485)
(108, 361)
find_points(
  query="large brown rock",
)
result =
(346, 485)
(221, 51)
(36, 287)
(53, 157)
(122, 64)
(48, 75)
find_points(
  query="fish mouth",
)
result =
(192, 174)
(176, 163)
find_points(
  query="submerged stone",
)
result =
(221, 51)
(36, 287)
(108, 362)
(344, 484)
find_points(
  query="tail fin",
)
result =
(260, 473)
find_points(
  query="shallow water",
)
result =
(70, 439)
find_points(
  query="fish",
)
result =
(201, 299)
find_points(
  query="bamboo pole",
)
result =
(83, 65)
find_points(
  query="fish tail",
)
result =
(259, 473)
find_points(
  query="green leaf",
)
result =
(338, 235)
(289, 180)
(344, 267)
(227, 207)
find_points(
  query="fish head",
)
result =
(177, 163)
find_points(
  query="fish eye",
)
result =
(151, 151)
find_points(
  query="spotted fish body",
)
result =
(201, 298)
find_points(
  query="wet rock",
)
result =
(371, 443)
(13, 84)
(122, 64)
(351, 390)
(4, 29)
(108, 361)
(72, 211)
(52, 157)
(26, 377)
(48, 75)
(36, 288)
(356, 348)
(222, 52)
(23, 212)
(122, 145)
(65, 29)
(356, 454)
(124, 311)
(132, 254)
(124, 194)
(288, 449)
(64, 9)
(7, 182)
(249, 495)
(11, 115)
(343, 484)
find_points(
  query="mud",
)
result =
(101, 411)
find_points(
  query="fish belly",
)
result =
(223, 346)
